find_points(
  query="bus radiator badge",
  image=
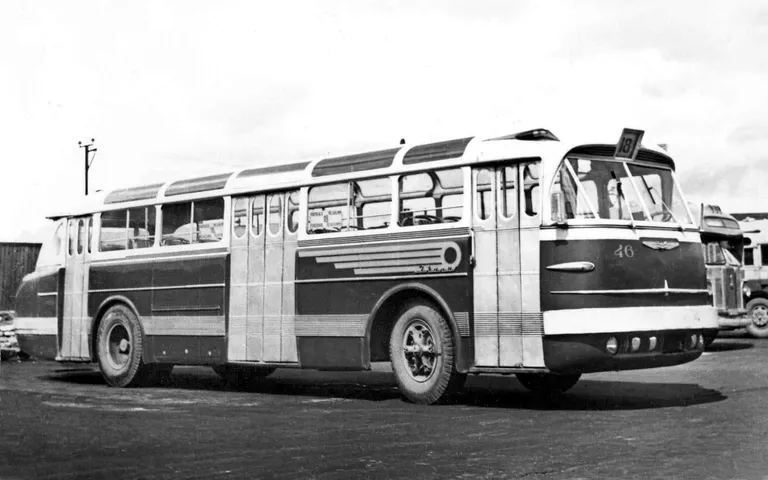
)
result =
(660, 244)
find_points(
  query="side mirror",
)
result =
(558, 208)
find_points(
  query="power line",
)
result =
(88, 162)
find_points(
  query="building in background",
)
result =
(16, 260)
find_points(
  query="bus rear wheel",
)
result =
(241, 375)
(423, 356)
(120, 347)
(548, 383)
(757, 310)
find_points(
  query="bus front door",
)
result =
(505, 276)
(74, 323)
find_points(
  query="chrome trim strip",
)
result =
(47, 294)
(190, 308)
(172, 287)
(393, 277)
(573, 267)
(148, 258)
(630, 291)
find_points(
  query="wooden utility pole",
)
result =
(88, 159)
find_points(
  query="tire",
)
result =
(423, 355)
(709, 337)
(549, 384)
(242, 376)
(120, 348)
(757, 310)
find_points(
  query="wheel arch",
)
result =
(101, 311)
(383, 317)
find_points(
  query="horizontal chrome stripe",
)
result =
(35, 325)
(462, 323)
(170, 287)
(628, 319)
(189, 308)
(574, 232)
(630, 291)
(508, 324)
(392, 277)
(212, 326)
(154, 259)
(47, 294)
(353, 238)
(572, 267)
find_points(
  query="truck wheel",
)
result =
(423, 355)
(757, 310)
(241, 375)
(119, 344)
(548, 383)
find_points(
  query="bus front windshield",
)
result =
(617, 190)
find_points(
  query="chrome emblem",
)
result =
(660, 244)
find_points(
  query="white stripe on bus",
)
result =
(628, 319)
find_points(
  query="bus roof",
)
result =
(712, 221)
(531, 143)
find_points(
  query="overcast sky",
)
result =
(177, 89)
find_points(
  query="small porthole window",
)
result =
(483, 194)
(240, 217)
(292, 214)
(257, 215)
(275, 214)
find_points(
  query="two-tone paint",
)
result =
(520, 293)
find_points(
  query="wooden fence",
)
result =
(16, 260)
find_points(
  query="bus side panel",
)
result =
(181, 304)
(334, 299)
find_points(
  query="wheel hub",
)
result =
(419, 351)
(760, 316)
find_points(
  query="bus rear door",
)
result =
(74, 323)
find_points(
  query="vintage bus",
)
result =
(723, 242)
(520, 254)
(755, 226)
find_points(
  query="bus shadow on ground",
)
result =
(729, 346)
(482, 392)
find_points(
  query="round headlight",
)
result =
(747, 291)
(651, 344)
(691, 341)
(635, 344)
(612, 346)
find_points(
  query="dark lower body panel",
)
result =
(587, 353)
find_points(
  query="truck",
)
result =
(723, 242)
(755, 259)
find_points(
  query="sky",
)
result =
(180, 89)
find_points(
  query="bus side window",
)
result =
(239, 217)
(749, 256)
(532, 189)
(72, 237)
(275, 218)
(372, 203)
(208, 218)
(292, 212)
(328, 208)
(114, 231)
(90, 233)
(764, 254)
(141, 227)
(80, 236)
(431, 197)
(257, 215)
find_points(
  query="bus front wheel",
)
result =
(548, 383)
(119, 343)
(423, 355)
(757, 310)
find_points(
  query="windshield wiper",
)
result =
(620, 194)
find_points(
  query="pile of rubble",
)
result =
(9, 346)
